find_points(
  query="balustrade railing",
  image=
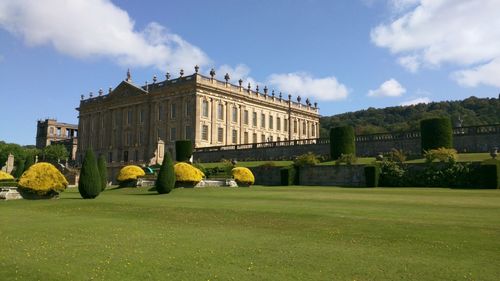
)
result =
(457, 131)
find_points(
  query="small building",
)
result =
(49, 132)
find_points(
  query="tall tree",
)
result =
(54, 153)
(89, 184)
(166, 177)
(103, 173)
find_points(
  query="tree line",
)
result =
(468, 112)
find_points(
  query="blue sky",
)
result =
(346, 55)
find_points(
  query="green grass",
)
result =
(258, 233)
(249, 164)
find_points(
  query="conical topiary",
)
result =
(18, 171)
(103, 173)
(89, 184)
(166, 177)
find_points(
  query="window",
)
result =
(59, 131)
(245, 117)
(173, 134)
(286, 125)
(204, 132)
(51, 131)
(110, 157)
(129, 138)
(235, 114)
(278, 123)
(125, 156)
(129, 117)
(278, 139)
(235, 136)
(270, 138)
(160, 112)
(204, 107)
(220, 111)
(313, 131)
(271, 120)
(187, 109)
(220, 134)
(140, 138)
(262, 120)
(304, 127)
(187, 132)
(254, 137)
(295, 126)
(262, 138)
(245, 137)
(254, 119)
(173, 111)
(117, 119)
(136, 156)
(141, 116)
(159, 134)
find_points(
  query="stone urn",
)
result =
(494, 152)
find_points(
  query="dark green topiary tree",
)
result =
(342, 141)
(436, 133)
(103, 172)
(89, 184)
(29, 162)
(19, 169)
(183, 150)
(166, 177)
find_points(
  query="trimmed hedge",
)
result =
(166, 177)
(436, 133)
(243, 176)
(342, 141)
(89, 184)
(489, 174)
(103, 172)
(372, 175)
(183, 150)
(43, 178)
(289, 175)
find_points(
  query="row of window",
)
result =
(141, 115)
(234, 136)
(159, 134)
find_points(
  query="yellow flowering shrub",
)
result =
(185, 172)
(130, 173)
(243, 176)
(4, 176)
(42, 178)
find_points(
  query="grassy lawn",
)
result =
(258, 233)
(249, 164)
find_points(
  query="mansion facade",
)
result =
(136, 123)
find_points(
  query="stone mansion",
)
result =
(134, 123)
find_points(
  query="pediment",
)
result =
(126, 89)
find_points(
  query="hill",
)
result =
(469, 112)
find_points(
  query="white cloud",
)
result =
(488, 74)
(416, 101)
(410, 63)
(240, 71)
(88, 28)
(390, 88)
(305, 85)
(458, 32)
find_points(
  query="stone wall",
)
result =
(343, 175)
(267, 175)
(466, 139)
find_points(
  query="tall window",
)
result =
(295, 126)
(304, 128)
(262, 138)
(173, 134)
(220, 111)
(51, 131)
(187, 133)
(204, 108)
(140, 139)
(173, 111)
(271, 120)
(110, 157)
(254, 119)
(220, 134)
(235, 136)
(278, 123)
(313, 131)
(245, 137)
(129, 138)
(129, 117)
(160, 111)
(245, 117)
(254, 137)
(286, 125)
(188, 110)
(136, 155)
(235, 114)
(204, 132)
(262, 120)
(141, 116)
